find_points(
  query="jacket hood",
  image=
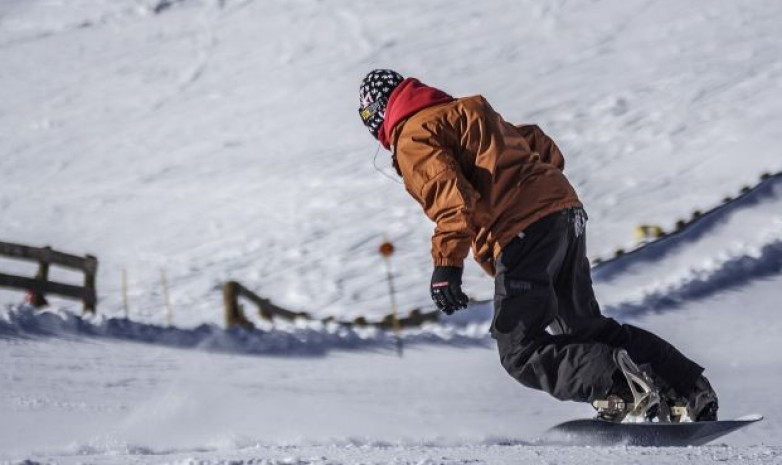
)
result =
(409, 97)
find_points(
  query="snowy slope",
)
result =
(113, 391)
(736, 243)
(218, 139)
(71, 398)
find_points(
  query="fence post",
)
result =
(91, 295)
(37, 298)
(231, 303)
(233, 312)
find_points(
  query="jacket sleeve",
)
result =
(542, 144)
(433, 177)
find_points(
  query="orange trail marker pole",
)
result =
(386, 250)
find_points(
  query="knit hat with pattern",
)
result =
(375, 90)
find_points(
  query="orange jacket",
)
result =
(481, 179)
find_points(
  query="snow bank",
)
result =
(731, 273)
(764, 197)
(732, 245)
(303, 338)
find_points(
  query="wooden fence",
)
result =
(235, 317)
(40, 285)
(648, 234)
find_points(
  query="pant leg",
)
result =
(579, 315)
(526, 302)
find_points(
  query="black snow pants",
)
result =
(548, 326)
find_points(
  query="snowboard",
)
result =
(646, 434)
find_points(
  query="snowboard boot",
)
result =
(634, 395)
(702, 401)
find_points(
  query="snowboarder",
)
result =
(500, 188)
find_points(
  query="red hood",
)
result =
(409, 97)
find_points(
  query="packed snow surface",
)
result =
(72, 396)
(218, 139)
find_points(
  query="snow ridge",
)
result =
(768, 190)
(302, 338)
(729, 274)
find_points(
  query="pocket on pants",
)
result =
(521, 307)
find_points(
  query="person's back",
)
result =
(509, 185)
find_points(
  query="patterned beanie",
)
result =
(375, 90)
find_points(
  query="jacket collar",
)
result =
(409, 97)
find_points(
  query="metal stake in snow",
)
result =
(166, 298)
(125, 292)
(386, 250)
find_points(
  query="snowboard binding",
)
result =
(639, 401)
(646, 398)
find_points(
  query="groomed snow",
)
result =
(74, 397)
(217, 139)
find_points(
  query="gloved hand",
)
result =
(446, 289)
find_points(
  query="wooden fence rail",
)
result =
(235, 317)
(40, 285)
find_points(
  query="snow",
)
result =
(217, 139)
(72, 398)
(735, 243)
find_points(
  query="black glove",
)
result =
(446, 289)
